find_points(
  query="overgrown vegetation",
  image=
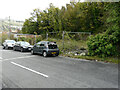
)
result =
(95, 58)
(107, 44)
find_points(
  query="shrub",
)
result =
(21, 38)
(101, 46)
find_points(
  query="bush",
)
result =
(101, 46)
(39, 38)
(21, 39)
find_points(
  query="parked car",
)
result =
(45, 48)
(8, 44)
(22, 46)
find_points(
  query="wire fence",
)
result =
(70, 42)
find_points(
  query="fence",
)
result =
(70, 42)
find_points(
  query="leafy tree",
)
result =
(107, 44)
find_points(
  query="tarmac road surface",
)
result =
(23, 70)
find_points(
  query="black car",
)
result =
(22, 46)
(45, 48)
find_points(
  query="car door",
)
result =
(37, 47)
(42, 46)
(17, 45)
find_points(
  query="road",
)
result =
(23, 70)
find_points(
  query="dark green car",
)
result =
(45, 48)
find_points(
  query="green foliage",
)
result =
(99, 45)
(84, 17)
(107, 44)
(3, 37)
(39, 38)
(21, 39)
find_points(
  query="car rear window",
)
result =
(52, 46)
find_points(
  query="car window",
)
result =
(24, 43)
(42, 44)
(52, 46)
(38, 44)
(17, 43)
(10, 41)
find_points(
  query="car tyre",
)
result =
(44, 54)
(3, 47)
(6, 47)
(14, 49)
(32, 52)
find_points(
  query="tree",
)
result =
(107, 44)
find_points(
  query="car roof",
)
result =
(9, 40)
(21, 41)
(43, 41)
(46, 42)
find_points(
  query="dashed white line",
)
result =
(44, 75)
(1, 59)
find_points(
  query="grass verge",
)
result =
(95, 58)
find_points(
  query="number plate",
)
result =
(53, 52)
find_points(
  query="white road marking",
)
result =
(30, 69)
(1, 58)
(17, 58)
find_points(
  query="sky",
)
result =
(21, 9)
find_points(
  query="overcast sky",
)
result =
(21, 9)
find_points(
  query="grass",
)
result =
(95, 58)
(69, 45)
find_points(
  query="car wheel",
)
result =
(21, 50)
(45, 54)
(32, 52)
(3, 47)
(6, 47)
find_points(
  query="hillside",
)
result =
(14, 25)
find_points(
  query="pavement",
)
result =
(23, 70)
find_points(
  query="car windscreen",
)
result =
(11, 41)
(25, 43)
(52, 46)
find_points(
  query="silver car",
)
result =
(45, 48)
(8, 44)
